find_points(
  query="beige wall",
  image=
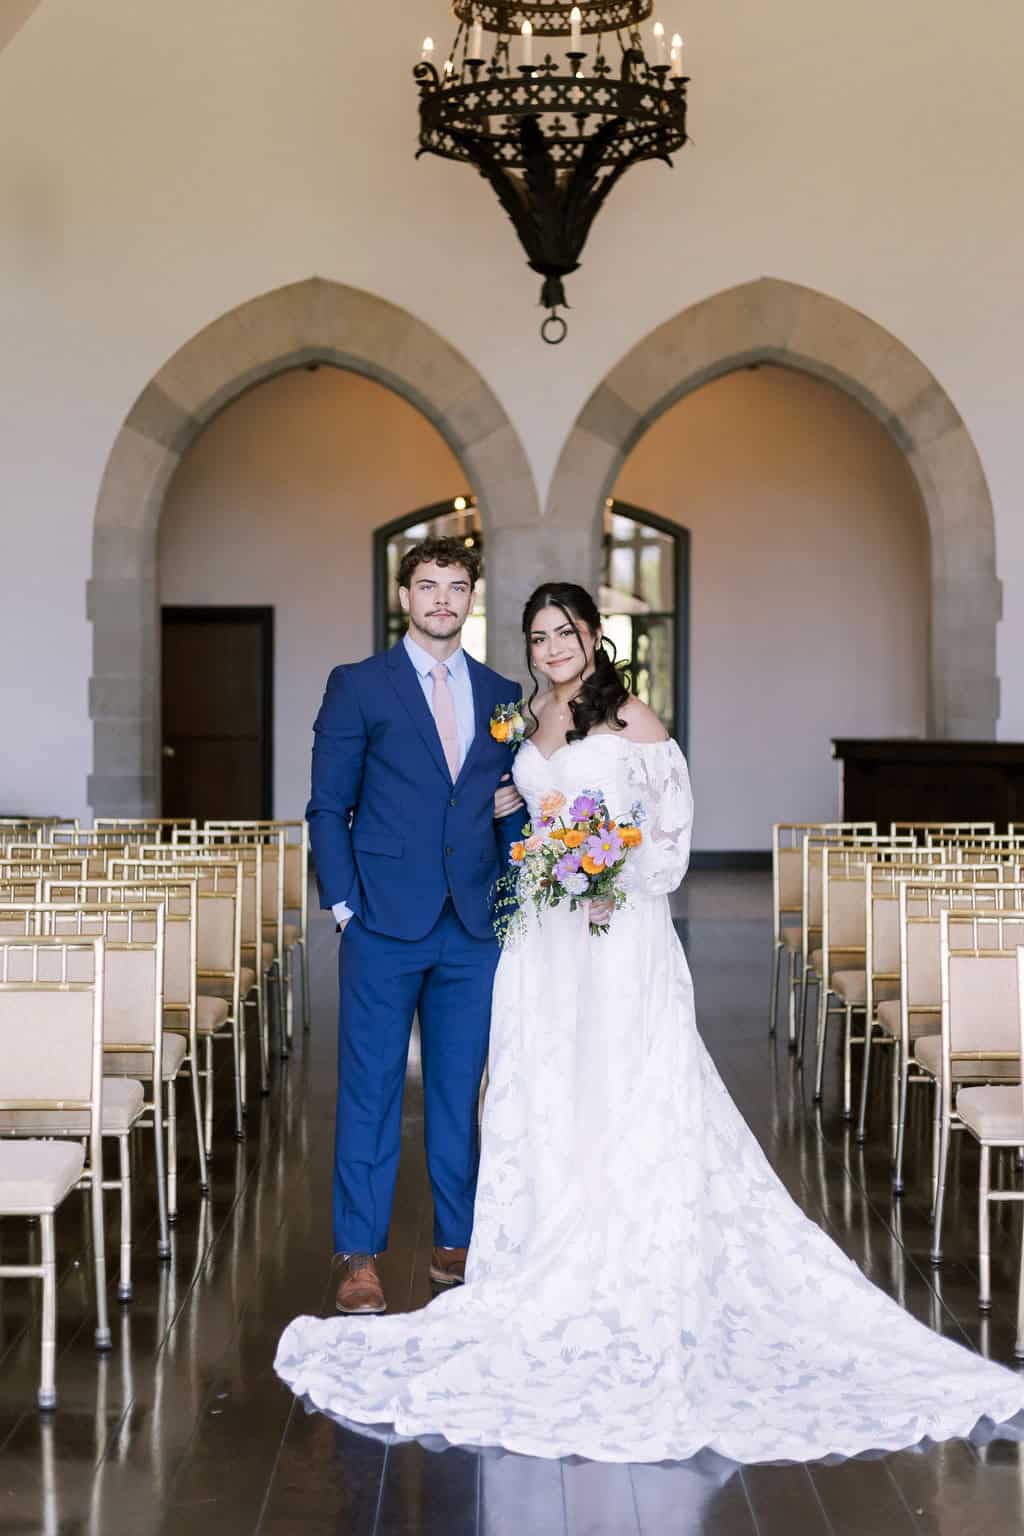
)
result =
(809, 590)
(276, 504)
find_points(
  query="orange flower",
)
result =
(558, 833)
(573, 839)
(589, 867)
(518, 852)
(501, 730)
(552, 803)
(632, 837)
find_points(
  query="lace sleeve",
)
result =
(660, 783)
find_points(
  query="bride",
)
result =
(640, 1286)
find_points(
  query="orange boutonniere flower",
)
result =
(518, 852)
(501, 730)
(573, 839)
(632, 837)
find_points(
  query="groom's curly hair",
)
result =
(440, 552)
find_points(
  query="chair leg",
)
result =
(99, 1253)
(287, 981)
(124, 1284)
(984, 1256)
(942, 1127)
(802, 1033)
(238, 1052)
(163, 1240)
(47, 1396)
(283, 1037)
(264, 1034)
(172, 1150)
(307, 1005)
(1018, 1347)
(848, 1062)
(901, 1124)
(243, 1055)
(804, 984)
(197, 1110)
(865, 1079)
(894, 1093)
(819, 1072)
(773, 999)
(208, 1104)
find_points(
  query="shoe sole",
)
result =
(442, 1277)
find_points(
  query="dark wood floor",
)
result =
(183, 1428)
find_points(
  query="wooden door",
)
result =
(218, 712)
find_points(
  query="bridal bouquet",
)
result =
(575, 852)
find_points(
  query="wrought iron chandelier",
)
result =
(553, 132)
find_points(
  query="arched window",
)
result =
(645, 602)
(456, 519)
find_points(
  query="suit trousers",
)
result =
(447, 978)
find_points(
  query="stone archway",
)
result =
(773, 321)
(312, 321)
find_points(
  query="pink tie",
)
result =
(444, 715)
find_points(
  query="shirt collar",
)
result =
(425, 663)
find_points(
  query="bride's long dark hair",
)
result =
(603, 693)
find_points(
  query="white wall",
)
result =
(275, 504)
(160, 165)
(809, 582)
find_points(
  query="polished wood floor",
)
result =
(183, 1427)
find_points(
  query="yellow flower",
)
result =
(589, 867)
(573, 839)
(501, 730)
(632, 837)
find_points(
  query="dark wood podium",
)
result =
(909, 779)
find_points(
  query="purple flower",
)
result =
(605, 849)
(584, 806)
(567, 865)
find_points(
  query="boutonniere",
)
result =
(508, 725)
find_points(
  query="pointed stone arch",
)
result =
(311, 321)
(773, 321)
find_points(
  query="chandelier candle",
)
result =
(552, 140)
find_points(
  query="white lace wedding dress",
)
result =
(640, 1285)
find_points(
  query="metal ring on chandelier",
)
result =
(559, 332)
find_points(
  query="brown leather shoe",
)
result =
(360, 1289)
(448, 1266)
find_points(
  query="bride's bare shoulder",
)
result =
(642, 724)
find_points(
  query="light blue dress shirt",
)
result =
(465, 717)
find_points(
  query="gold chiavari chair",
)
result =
(1008, 844)
(882, 925)
(919, 1018)
(93, 851)
(295, 934)
(220, 973)
(51, 1029)
(840, 965)
(941, 831)
(33, 827)
(181, 1051)
(994, 1115)
(132, 1029)
(980, 1038)
(144, 829)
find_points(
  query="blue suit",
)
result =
(416, 858)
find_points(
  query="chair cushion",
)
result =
(212, 987)
(291, 933)
(921, 1024)
(123, 1103)
(817, 956)
(211, 1014)
(36, 1175)
(267, 952)
(851, 986)
(993, 1114)
(792, 938)
(928, 1054)
(140, 1063)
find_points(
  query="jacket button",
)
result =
(452, 801)
(449, 851)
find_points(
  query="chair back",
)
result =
(938, 831)
(51, 1027)
(980, 1002)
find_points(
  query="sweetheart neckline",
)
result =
(598, 736)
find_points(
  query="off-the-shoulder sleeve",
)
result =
(660, 783)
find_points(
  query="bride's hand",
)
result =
(601, 912)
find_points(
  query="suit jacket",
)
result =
(391, 834)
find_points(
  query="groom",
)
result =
(409, 831)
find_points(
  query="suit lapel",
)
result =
(407, 686)
(481, 711)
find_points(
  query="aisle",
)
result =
(185, 1429)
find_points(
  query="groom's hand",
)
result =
(507, 800)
